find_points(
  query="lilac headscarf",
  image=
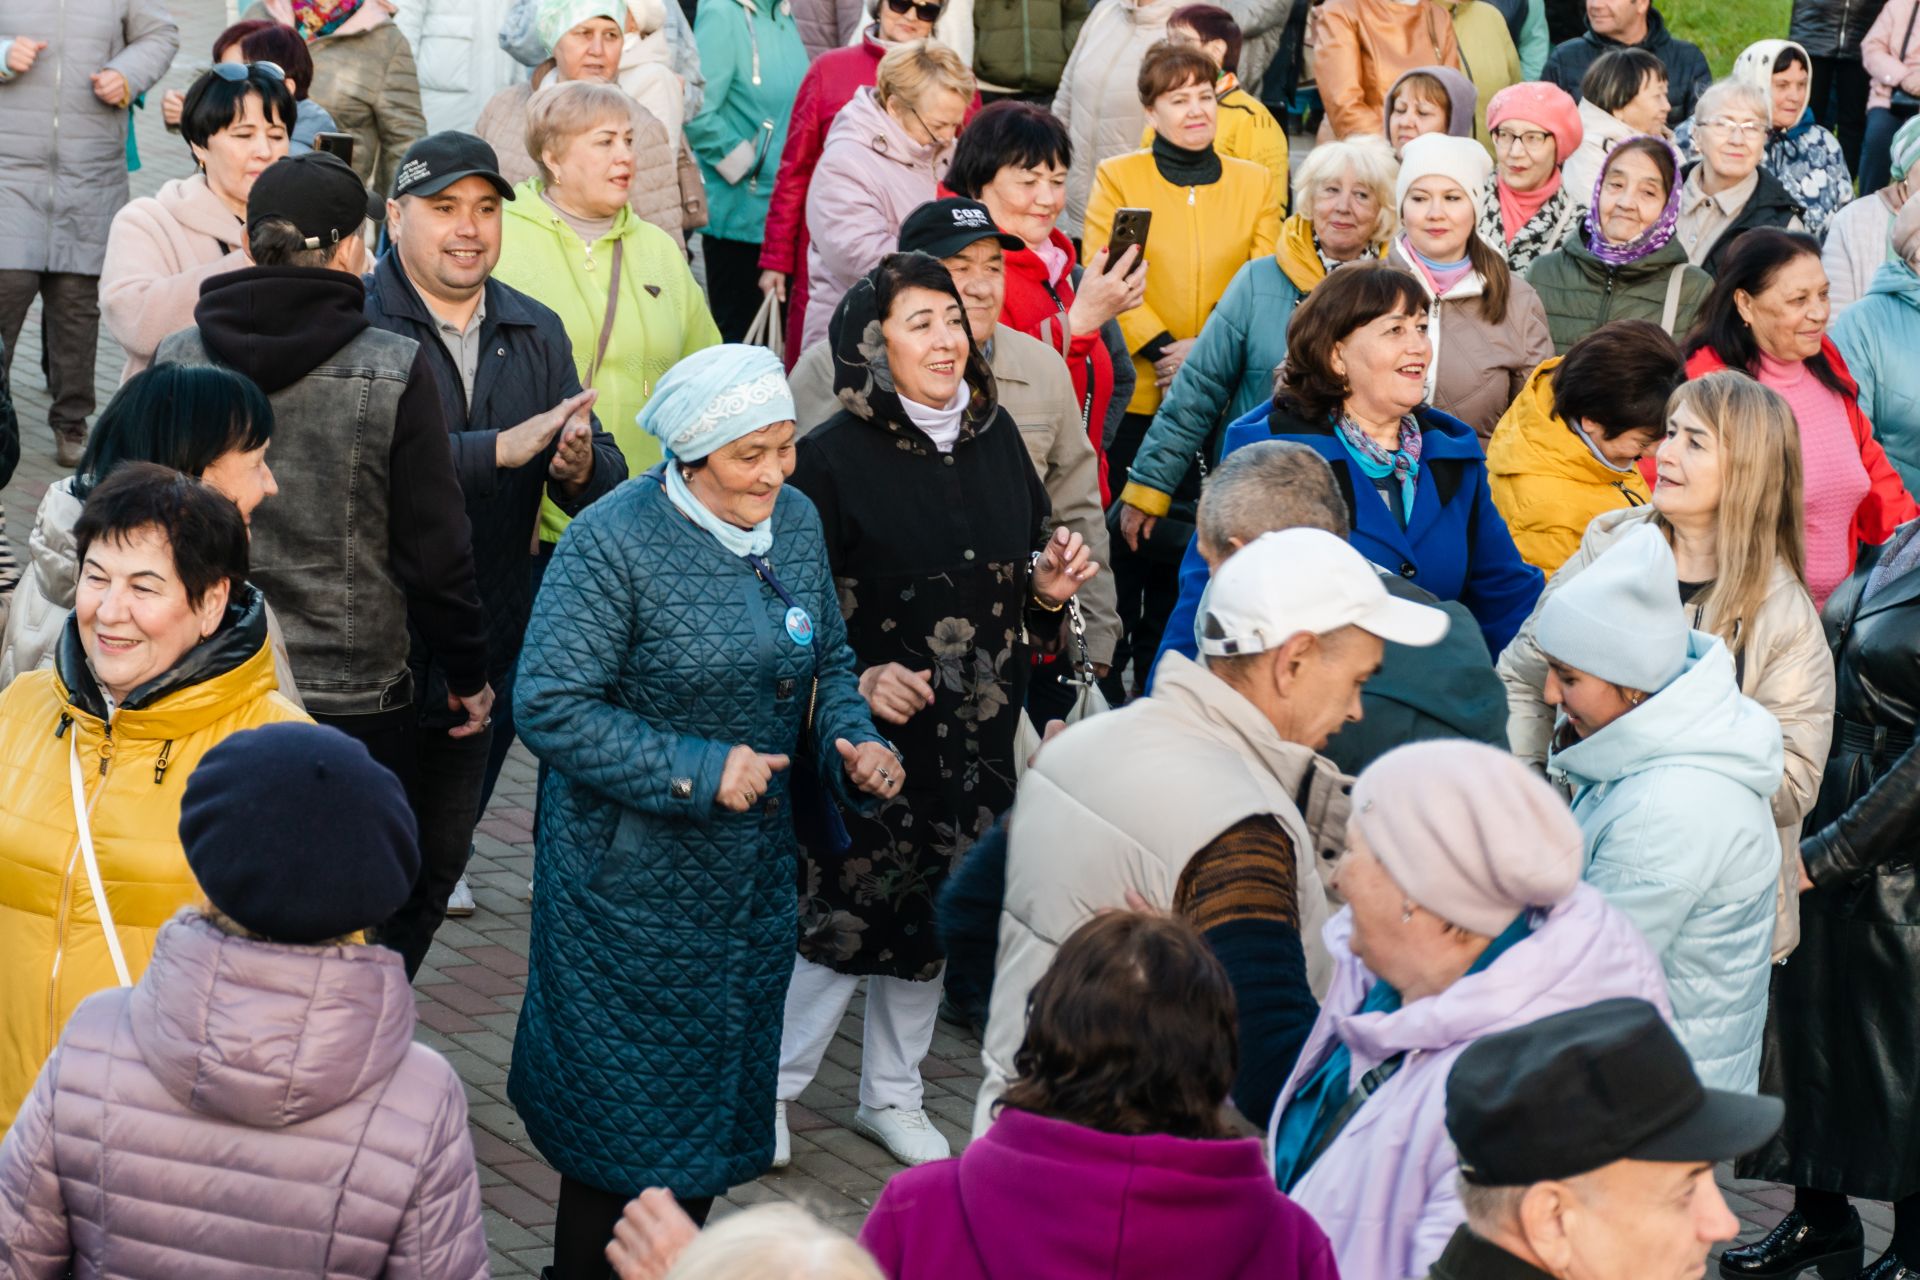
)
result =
(1655, 237)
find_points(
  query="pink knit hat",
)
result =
(1468, 832)
(1547, 105)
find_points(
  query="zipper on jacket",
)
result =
(160, 765)
(1606, 299)
(1190, 197)
(1633, 499)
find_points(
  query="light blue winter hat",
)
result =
(1620, 619)
(557, 17)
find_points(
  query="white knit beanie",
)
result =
(1440, 155)
(1621, 619)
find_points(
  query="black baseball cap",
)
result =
(942, 228)
(439, 160)
(1581, 1089)
(318, 193)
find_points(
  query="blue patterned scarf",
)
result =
(1402, 463)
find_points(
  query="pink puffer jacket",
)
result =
(247, 1110)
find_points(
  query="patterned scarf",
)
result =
(316, 18)
(1402, 463)
(1655, 237)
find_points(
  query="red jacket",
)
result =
(1887, 505)
(1039, 309)
(829, 85)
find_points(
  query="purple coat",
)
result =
(1041, 1197)
(1384, 1191)
(247, 1110)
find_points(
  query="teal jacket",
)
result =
(1674, 799)
(752, 57)
(1878, 335)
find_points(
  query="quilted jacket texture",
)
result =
(249, 1111)
(664, 930)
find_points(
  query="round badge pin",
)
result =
(799, 626)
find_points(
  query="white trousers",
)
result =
(899, 1031)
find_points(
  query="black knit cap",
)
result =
(296, 834)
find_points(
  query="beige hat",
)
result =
(1468, 832)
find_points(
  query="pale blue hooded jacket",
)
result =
(1878, 336)
(1675, 801)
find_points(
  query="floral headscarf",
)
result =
(316, 18)
(862, 380)
(1655, 237)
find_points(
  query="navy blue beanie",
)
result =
(296, 834)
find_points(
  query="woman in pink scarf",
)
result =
(1529, 213)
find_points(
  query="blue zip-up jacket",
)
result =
(753, 59)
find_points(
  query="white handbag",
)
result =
(1087, 698)
(766, 329)
(85, 830)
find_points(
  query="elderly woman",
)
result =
(1802, 155)
(1860, 234)
(1353, 389)
(1728, 503)
(1344, 194)
(620, 285)
(319, 1074)
(1767, 317)
(1363, 47)
(1095, 100)
(1429, 100)
(1529, 210)
(1565, 452)
(264, 41)
(883, 159)
(1878, 337)
(679, 727)
(164, 654)
(1623, 95)
(1728, 192)
(1671, 769)
(935, 527)
(585, 36)
(1625, 262)
(1465, 915)
(1489, 330)
(1148, 1145)
(237, 120)
(1013, 158)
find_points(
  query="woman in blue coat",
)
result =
(685, 632)
(1415, 479)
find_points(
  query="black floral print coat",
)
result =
(932, 556)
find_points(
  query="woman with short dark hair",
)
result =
(259, 40)
(1130, 1050)
(1623, 95)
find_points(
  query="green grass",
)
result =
(1722, 28)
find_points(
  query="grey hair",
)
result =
(1269, 485)
(1722, 95)
(1489, 1209)
(774, 1242)
(1367, 157)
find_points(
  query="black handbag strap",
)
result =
(1369, 1085)
(1908, 38)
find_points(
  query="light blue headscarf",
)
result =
(706, 402)
(554, 18)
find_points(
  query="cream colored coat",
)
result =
(1785, 666)
(1123, 801)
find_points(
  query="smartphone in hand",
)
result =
(1129, 231)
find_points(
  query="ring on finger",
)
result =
(751, 797)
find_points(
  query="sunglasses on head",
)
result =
(235, 72)
(927, 13)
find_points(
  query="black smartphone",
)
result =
(338, 144)
(1129, 230)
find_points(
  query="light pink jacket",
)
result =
(871, 175)
(1880, 51)
(158, 251)
(248, 1110)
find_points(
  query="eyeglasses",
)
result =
(1741, 129)
(1530, 139)
(944, 134)
(927, 13)
(235, 72)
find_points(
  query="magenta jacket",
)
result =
(248, 1110)
(1040, 1197)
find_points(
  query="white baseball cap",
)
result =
(1296, 580)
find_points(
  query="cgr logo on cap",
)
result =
(411, 172)
(965, 217)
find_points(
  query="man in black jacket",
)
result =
(1632, 24)
(521, 430)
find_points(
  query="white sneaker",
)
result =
(460, 902)
(909, 1136)
(782, 1139)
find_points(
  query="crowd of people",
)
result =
(1372, 675)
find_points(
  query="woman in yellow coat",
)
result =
(1565, 449)
(164, 655)
(1211, 216)
(1246, 130)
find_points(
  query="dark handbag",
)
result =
(1905, 103)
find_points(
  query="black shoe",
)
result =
(1793, 1247)
(1889, 1268)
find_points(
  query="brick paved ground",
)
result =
(470, 990)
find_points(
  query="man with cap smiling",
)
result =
(373, 539)
(520, 426)
(1034, 387)
(1587, 1147)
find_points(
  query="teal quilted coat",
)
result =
(664, 928)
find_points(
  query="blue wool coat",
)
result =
(1456, 544)
(664, 928)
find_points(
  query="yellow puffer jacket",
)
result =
(1201, 235)
(1246, 131)
(53, 952)
(1546, 482)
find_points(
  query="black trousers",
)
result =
(69, 338)
(583, 1227)
(1146, 583)
(1838, 89)
(733, 284)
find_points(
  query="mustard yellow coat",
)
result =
(1200, 237)
(53, 952)
(1545, 482)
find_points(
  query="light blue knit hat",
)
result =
(1621, 619)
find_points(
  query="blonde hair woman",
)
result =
(1729, 505)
